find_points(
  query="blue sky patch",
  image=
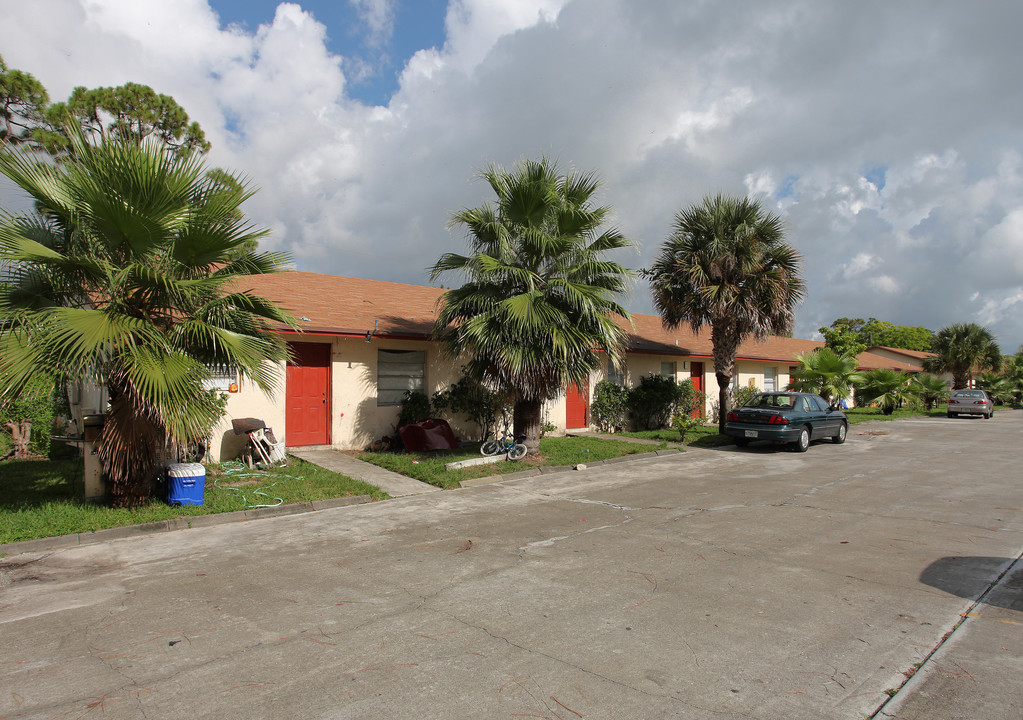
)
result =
(878, 176)
(787, 188)
(418, 24)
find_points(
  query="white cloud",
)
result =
(379, 18)
(859, 265)
(807, 105)
(884, 284)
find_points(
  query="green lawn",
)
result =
(38, 498)
(702, 436)
(858, 415)
(429, 467)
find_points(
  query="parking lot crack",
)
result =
(557, 538)
(581, 669)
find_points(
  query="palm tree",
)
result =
(998, 386)
(888, 388)
(931, 389)
(961, 349)
(124, 276)
(538, 301)
(1012, 368)
(727, 265)
(825, 372)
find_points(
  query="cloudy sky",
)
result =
(887, 134)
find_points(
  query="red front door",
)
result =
(696, 371)
(577, 396)
(307, 411)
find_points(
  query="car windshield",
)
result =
(782, 402)
(968, 394)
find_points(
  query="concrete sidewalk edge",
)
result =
(61, 542)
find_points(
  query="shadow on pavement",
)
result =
(971, 576)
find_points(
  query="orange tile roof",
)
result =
(901, 351)
(870, 361)
(650, 336)
(335, 305)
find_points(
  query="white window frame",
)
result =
(399, 371)
(222, 377)
(773, 377)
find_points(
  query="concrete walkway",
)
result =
(391, 483)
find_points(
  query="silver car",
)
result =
(970, 402)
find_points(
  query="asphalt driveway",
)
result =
(727, 583)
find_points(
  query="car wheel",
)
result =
(804, 440)
(952, 414)
(843, 430)
(741, 442)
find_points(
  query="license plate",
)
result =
(751, 433)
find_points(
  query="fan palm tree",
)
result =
(539, 297)
(961, 349)
(727, 265)
(931, 389)
(887, 388)
(125, 275)
(998, 386)
(1012, 368)
(825, 372)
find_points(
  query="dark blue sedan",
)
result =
(786, 417)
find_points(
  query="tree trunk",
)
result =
(21, 434)
(526, 420)
(723, 382)
(725, 340)
(130, 447)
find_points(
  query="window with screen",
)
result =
(222, 377)
(399, 371)
(615, 375)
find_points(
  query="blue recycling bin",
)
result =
(186, 484)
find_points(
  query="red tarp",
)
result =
(428, 435)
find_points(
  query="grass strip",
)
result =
(42, 498)
(867, 414)
(700, 436)
(429, 467)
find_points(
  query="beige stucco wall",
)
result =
(355, 419)
(639, 365)
(750, 373)
(249, 401)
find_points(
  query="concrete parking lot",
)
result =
(728, 583)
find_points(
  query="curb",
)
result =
(62, 542)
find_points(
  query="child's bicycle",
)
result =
(512, 446)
